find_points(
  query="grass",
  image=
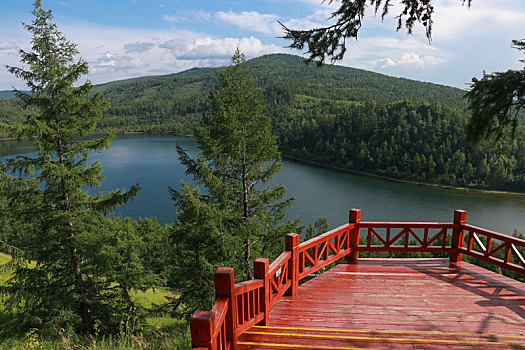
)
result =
(160, 332)
(151, 297)
(4, 258)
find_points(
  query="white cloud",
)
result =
(188, 16)
(409, 59)
(252, 20)
(208, 47)
(268, 23)
(457, 23)
(7, 46)
(110, 62)
(115, 53)
(138, 47)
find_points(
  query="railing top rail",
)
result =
(279, 262)
(246, 286)
(219, 310)
(324, 237)
(386, 224)
(496, 235)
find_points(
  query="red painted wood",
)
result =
(208, 328)
(202, 329)
(261, 268)
(292, 242)
(378, 248)
(279, 262)
(225, 288)
(495, 235)
(245, 287)
(399, 304)
(325, 236)
(385, 224)
(411, 291)
(354, 219)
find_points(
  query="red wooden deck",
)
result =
(374, 303)
(397, 304)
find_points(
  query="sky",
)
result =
(130, 38)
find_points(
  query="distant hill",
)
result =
(174, 102)
(6, 93)
(335, 116)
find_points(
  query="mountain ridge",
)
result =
(174, 102)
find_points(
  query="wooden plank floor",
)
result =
(398, 304)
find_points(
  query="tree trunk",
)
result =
(83, 308)
(247, 247)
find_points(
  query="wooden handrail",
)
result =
(240, 306)
(208, 329)
(249, 296)
(494, 243)
(323, 250)
(279, 280)
(405, 232)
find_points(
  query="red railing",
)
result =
(490, 245)
(327, 248)
(279, 278)
(407, 236)
(208, 328)
(243, 305)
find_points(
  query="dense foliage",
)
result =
(176, 102)
(330, 41)
(495, 102)
(85, 264)
(403, 140)
(336, 116)
(236, 217)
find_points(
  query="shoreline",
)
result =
(407, 182)
(498, 193)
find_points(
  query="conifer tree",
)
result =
(495, 102)
(84, 267)
(238, 216)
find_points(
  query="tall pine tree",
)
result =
(81, 278)
(238, 216)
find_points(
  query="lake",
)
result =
(152, 161)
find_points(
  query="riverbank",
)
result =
(408, 182)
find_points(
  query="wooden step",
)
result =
(262, 337)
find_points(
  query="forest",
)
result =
(335, 116)
(75, 276)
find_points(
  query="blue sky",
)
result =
(129, 38)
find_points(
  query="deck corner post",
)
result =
(458, 235)
(261, 268)
(292, 241)
(354, 217)
(224, 279)
(202, 325)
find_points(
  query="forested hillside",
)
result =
(6, 94)
(175, 102)
(336, 116)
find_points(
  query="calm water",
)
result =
(152, 162)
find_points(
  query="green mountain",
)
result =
(174, 102)
(6, 94)
(336, 116)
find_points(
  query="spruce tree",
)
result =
(238, 216)
(84, 268)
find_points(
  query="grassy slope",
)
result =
(161, 332)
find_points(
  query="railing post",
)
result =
(261, 267)
(225, 287)
(202, 325)
(458, 235)
(354, 217)
(292, 241)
